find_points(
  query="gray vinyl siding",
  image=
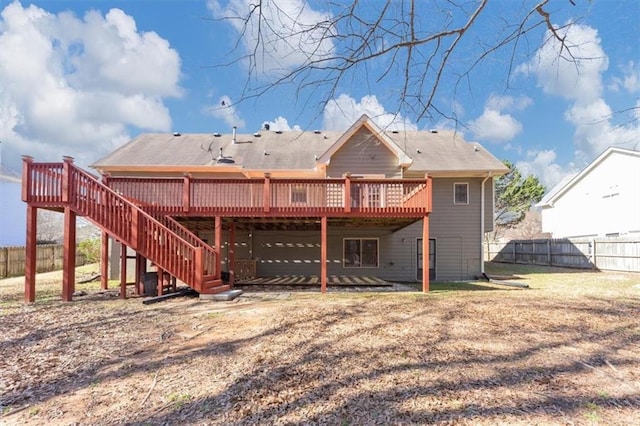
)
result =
(364, 154)
(402, 252)
(286, 253)
(243, 245)
(456, 228)
(298, 252)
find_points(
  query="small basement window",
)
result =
(461, 193)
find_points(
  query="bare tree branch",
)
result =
(419, 43)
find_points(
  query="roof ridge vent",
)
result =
(222, 159)
(176, 134)
(216, 135)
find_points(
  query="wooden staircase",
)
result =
(162, 240)
(210, 283)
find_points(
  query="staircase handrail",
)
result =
(69, 185)
(209, 254)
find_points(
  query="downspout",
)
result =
(482, 207)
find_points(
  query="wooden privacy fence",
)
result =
(48, 258)
(606, 254)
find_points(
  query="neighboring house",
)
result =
(359, 203)
(12, 221)
(603, 200)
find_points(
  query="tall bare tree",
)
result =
(429, 48)
(50, 226)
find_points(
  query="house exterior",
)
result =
(602, 200)
(12, 214)
(401, 206)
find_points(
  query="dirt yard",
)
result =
(564, 351)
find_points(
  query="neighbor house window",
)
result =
(298, 194)
(360, 253)
(461, 193)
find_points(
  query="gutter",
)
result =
(482, 204)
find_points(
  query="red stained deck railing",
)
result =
(277, 197)
(208, 252)
(60, 185)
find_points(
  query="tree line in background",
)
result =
(515, 196)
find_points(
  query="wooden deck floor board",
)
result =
(297, 280)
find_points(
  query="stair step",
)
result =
(212, 283)
(216, 289)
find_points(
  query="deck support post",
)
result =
(30, 255)
(425, 254)
(323, 254)
(67, 188)
(69, 255)
(104, 261)
(141, 268)
(123, 270)
(232, 254)
(199, 269)
(160, 287)
(218, 246)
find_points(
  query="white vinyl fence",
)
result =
(606, 254)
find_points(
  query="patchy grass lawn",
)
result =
(564, 351)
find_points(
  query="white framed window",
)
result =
(461, 193)
(298, 193)
(360, 253)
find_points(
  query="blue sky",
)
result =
(81, 78)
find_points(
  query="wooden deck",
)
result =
(266, 197)
(312, 281)
(138, 212)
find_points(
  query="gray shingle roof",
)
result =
(270, 151)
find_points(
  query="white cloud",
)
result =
(595, 131)
(494, 125)
(542, 165)
(281, 124)
(630, 79)
(226, 111)
(342, 112)
(74, 86)
(295, 33)
(499, 103)
(575, 71)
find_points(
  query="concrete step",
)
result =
(223, 296)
